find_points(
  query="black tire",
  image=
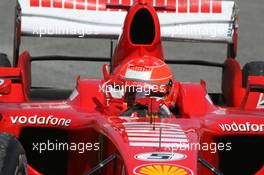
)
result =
(255, 68)
(12, 156)
(4, 61)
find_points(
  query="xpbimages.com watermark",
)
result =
(58, 30)
(187, 30)
(80, 147)
(127, 88)
(211, 147)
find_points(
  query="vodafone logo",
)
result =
(242, 127)
(40, 120)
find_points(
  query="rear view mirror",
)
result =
(5, 86)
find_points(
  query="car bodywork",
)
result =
(227, 139)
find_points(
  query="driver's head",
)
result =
(146, 77)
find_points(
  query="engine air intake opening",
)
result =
(142, 29)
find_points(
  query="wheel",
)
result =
(12, 156)
(4, 61)
(255, 68)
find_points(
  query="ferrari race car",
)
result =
(137, 119)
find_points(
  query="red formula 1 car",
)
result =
(138, 119)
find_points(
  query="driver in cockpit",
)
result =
(143, 87)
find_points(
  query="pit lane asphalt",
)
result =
(58, 74)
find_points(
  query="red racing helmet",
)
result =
(148, 69)
(147, 76)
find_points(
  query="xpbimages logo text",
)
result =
(210, 147)
(114, 87)
(40, 120)
(55, 145)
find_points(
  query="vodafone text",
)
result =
(40, 120)
(242, 127)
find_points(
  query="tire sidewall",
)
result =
(14, 162)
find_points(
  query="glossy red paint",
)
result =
(68, 4)
(91, 5)
(25, 67)
(94, 119)
(235, 94)
(126, 50)
(192, 100)
(182, 6)
(57, 3)
(194, 6)
(172, 3)
(45, 3)
(80, 4)
(205, 6)
(34, 3)
(232, 83)
(102, 6)
(217, 7)
(253, 98)
(261, 171)
(17, 92)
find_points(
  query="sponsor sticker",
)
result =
(160, 156)
(162, 169)
(260, 104)
(141, 134)
(40, 120)
(242, 127)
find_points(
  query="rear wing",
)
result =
(190, 20)
(209, 20)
